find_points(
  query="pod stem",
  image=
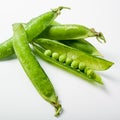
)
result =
(99, 36)
(57, 10)
(58, 108)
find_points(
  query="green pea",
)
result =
(32, 67)
(48, 52)
(55, 55)
(74, 64)
(86, 69)
(81, 66)
(62, 58)
(90, 73)
(69, 60)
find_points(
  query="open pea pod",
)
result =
(84, 72)
(90, 61)
(83, 45)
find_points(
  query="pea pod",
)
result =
(92, 62)
(82, 45)
(32, 68)
(70, 32)
(67, 64)
(33, 28)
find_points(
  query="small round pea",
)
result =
(74, 64)
(90, 73)
(55, 55)
(62, 58)
(86, 69)
(81, 66)
(48, 52)
(68, 61)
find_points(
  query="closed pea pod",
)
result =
(70, 32)
(33, 28)
(32, 68)
(6, 49)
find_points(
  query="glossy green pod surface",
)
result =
(65, 65)
(32, 67)
(70, 32)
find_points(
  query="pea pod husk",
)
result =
(32, 68)
(92, 62)
(40, 52)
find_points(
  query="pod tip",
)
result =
(59, 110)
(100, 37)
(58, 9)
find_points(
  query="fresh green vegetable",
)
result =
(33, 28)
(62, 45)
(32, 68)
(74, 64)
(62, 58)
(6, 49)
(55, 55)
(70, 32)
(92, 62)
(81, 66)
(48, 53)
(40, 51)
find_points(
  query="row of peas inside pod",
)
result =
(71, 59)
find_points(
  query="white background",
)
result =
(80, 100)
